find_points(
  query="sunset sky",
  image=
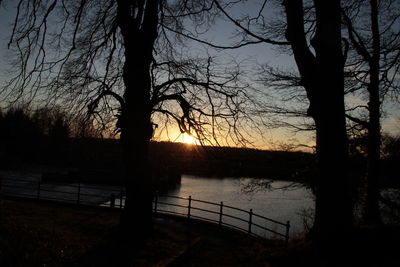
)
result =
(250, 56)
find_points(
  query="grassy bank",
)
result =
(46, 234)
(34, 234)
(49, 234)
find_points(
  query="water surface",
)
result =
(279, 202)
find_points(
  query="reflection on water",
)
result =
(278, 204)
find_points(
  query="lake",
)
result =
(277, 201)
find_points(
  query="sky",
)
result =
(253, 55)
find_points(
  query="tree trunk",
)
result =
(135, 121)
(334, 209)
(135, 136)
(322, 77)
(371, 213)
(371, 210)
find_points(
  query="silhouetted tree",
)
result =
(20, 137)
(390, 159)
(83, 126)
(391, 146)
(318, 53)
(371, 50)
(121, 58)
(323, 79)
(59, 133)
(373, 34)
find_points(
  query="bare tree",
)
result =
(323, 79)
(373, 33)
(371, 46)
(122, 58)
(371, 51)
(313, 33)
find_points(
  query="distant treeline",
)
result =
(47, 137)
(50, 137)
(41, 135)
(228, 161)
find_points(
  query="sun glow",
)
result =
(189, 139)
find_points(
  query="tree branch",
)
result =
(358, 121)
(93, 105)
(209, 43)
(247, 31)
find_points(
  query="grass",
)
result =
(376, 245)
(34, 234)
(51, 234)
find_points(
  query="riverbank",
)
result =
(54, 234)
(50, 234)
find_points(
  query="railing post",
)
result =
(189, 206)
(287, 232)
(112, 200)
(220, 213)
(155, 203)
(79, 194)
(120, 201)
(250, 220)
(38, 189)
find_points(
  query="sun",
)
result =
(189, 139)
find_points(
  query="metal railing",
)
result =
(114, 197)
(221, 214)
(75, 193)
